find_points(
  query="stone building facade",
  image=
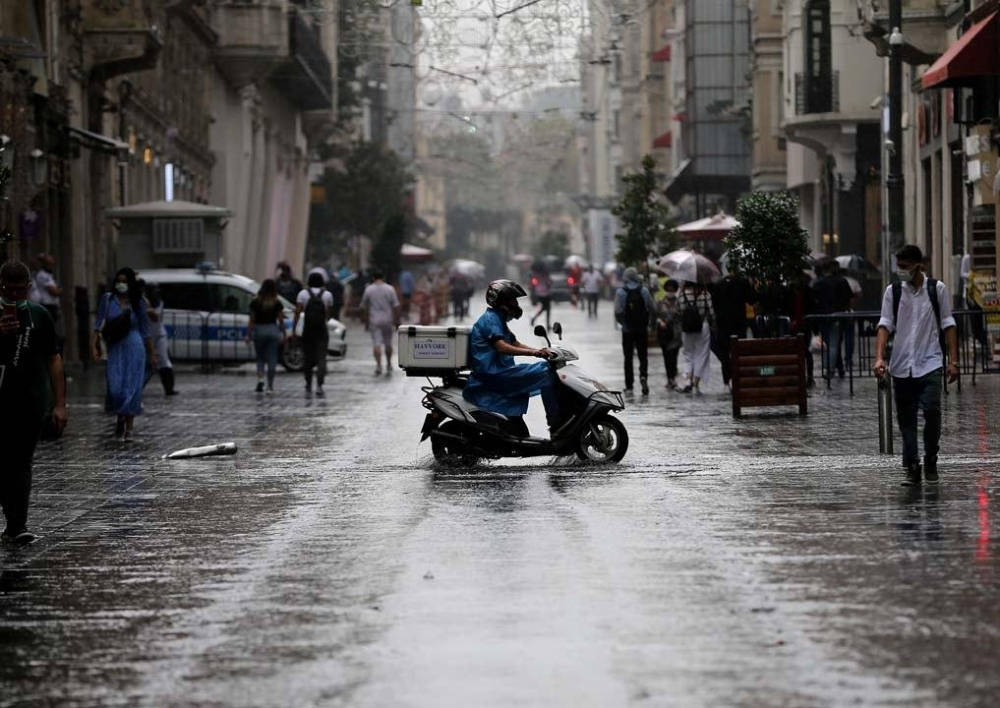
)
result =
(110, 103)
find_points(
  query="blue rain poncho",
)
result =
(498, 384)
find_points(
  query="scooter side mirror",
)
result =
(540, 331)
(557, 328)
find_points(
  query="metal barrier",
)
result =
(855, 333)
(209, 338)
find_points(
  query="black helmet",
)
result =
(502, 296)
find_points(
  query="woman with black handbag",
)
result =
(123, 323)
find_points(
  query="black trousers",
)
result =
(635, 343)
(314, 356)
(723, 350)
(669, 353)
(18, 439)
(592, 300)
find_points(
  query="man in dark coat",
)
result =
(730, 297)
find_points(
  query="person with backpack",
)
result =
(634, 307)
(315, 305)
(917, 309)
(697, 323)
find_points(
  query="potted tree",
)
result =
(648, 230)
(769, 247)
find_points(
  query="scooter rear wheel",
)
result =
(450, 452)
(604, 440)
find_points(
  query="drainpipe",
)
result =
(894, 179)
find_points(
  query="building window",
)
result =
(818, 56)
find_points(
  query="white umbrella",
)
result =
(576, 261)
(689, 266)
(467, 267)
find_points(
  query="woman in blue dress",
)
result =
(497, 384)
(126, 366)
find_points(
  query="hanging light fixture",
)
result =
(39, 167)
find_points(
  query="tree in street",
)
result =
(647, 226)
(365, 187)
(553, 243)
(768, 245)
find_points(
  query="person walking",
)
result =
(30, 367)
(668, 330)
(288, 287)
(833, 295)
(541, 289)
(123, 322)
(697, 323)
(314, 304)
(380, 308)
(634, 307)
(730, 298)
(336, 288)
(407, 285)
(267, 332)
(592, 281)
(918, 310)
(158, 333)
(45, 288)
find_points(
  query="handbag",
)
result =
(117, 328)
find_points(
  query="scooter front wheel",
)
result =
(603, 440)
(449, 451)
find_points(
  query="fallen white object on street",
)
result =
(204, 451)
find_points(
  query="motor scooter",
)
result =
(461, 434)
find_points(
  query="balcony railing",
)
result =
(817, 94)
(306, 77)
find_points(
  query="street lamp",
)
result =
(894, 186)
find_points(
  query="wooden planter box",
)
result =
(769, 372)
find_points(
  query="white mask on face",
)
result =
(906, 276)
(121, 288)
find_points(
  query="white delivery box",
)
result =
(429, 351)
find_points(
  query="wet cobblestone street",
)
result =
(771, 561)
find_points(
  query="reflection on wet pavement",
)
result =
(773, 561)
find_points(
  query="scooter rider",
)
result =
(497, 384)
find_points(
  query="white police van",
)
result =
(206, 316)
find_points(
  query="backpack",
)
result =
(691, 319)
(314, 322)
(636, 312)
(932, 295)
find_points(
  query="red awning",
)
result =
(664, 141)
(976, 54)
(661, 54)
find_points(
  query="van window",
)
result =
(186, 296)
(229, 298)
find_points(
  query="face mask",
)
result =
(671, 296)
(906, 276)
(121, 288)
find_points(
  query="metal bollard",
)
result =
(885, 415)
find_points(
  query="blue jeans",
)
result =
(266, 339)
(830, 332)
(923, 393)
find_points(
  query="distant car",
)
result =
(206, 316)
(561, 287)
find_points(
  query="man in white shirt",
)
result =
(917, 315)
(314, 304)
(592, 290)
(381, 309)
